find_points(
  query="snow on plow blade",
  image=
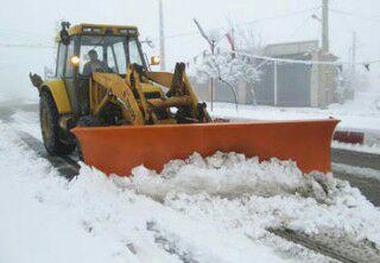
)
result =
(119, 149)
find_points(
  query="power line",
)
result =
(360, 16)
(264, 19)
(281, 16)
(307, 62)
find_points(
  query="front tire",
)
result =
(49, 118)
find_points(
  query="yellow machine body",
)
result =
(59, 93)
(134, 117)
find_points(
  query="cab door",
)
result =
(65, 72)
(61, 61)
(70, 78)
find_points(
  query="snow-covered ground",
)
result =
(357, 171)
(215, 209)
(27, 122)
(374, 148)
(46, 219)
(362, 114)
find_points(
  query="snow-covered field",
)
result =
(362, 114)
(199, 210)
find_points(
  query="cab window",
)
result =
(134, 52)
(61, 60)
(117, 59)
(84, 55)
(69, 73)
(110, 50)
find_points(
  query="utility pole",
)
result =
(325, 26)
(162, 37)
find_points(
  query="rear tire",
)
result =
(49, 118)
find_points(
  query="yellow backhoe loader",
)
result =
(106, 99)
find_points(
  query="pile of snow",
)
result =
(249, 196)
(228, 176)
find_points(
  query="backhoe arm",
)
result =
(107, 87)
(143, 102)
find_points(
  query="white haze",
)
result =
(34, 23)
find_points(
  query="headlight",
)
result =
(75, 60)
(155, 60)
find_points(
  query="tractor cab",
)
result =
(85, 49)
(102, 80)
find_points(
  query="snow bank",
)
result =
(250, 196)
(225, 175)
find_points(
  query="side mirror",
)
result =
(64, 34)
(155, 60)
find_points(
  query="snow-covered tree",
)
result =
(226, 67)
(232, 68)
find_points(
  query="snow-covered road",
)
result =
(216, 209)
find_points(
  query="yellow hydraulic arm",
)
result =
(130, 95)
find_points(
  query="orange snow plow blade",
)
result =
(117, 150)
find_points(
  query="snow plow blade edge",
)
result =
(117, 150)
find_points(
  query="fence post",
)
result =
(212, 91)
(275, 75)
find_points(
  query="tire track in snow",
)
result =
(67, 165)
(339, 248)
(168, 245)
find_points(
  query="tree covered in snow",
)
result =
(228, 67)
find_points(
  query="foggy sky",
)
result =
(28, 21)
(41, 16)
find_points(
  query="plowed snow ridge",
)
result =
(241, 192)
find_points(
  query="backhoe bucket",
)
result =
(117, 150)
